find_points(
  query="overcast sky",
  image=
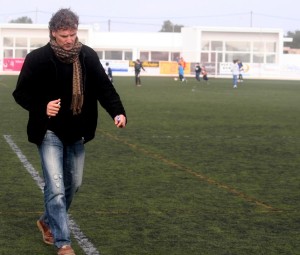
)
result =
(149, 15)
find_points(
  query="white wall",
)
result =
(188, 42)
(149, 41)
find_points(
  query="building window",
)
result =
(217, 46)
(8, 42)
(270, 47)
(127, 55)
(21, 42)
(8, 53)
(270, 58)
(213, 57)
(20, 53)
(159, 56)
(258, 47)
(204, 57)
(37, 42)
(175, 56)
(244, 57)
(113, 55)
(144, 56)
(258, 58)
(219, 57)
(238, 46)
(229, 57)
(205, 45)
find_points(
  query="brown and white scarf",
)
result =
(68, 57)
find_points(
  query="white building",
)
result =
(260, 50)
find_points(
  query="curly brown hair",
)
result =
(63, 19)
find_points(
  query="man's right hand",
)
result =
(53, 108)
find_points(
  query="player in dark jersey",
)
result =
(137, 70)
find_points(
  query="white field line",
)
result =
(82, 240)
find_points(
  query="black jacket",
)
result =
(37, 85)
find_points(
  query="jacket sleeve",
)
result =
(105, 91)
(25, 93)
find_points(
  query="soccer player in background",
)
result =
(204, 74)
(138, 66)
(108, 71)
(235, 72)
(181, 73)
(198, 71)
(241, 70)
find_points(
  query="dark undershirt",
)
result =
(65, 125)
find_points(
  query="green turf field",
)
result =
(200, 169)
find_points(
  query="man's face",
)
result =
(65, 38)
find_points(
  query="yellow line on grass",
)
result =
(199, 176)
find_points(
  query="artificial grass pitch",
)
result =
(200, 169)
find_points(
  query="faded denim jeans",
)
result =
(235, 80)
(62, 169)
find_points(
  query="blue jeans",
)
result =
(235, 79)
(62, 169)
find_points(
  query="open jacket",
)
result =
(37, 85)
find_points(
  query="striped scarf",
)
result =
(68, 57)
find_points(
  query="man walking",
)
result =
(60, 85)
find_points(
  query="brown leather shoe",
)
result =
(46, 232)
(66, 250)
